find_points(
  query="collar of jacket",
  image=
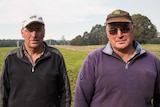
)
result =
(21, 53)
(108, 49)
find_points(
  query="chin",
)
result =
(122, 46)
(34, 45)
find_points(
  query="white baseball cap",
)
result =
(31, 19)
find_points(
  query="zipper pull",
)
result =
(127, 64)
(32, 68)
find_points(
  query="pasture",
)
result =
(74, 57)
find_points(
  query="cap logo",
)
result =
(117, 12)
(32, 17)
(118, 16)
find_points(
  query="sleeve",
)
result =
(4, 86)
(85, 84)
(156, 97)
(64, 86)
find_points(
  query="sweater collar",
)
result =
(108, 49)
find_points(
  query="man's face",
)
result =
(120, 35)
(33, 35)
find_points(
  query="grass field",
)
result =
(74, 57)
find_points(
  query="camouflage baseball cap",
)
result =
(118, 16)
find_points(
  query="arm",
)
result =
(64, 86)
(85, 84)
(156, 97)
(4, 87)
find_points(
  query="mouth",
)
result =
(34, 41)
(121, 41)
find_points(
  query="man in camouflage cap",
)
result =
(121, 74)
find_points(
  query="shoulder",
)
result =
(12, 54)
(95, 55)
(151, 57)
(14, 51)
(97, 52)
(151, 54)
(53, 50)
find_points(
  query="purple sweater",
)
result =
(105, 80)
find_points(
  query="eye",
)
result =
(125, 29)
(113, 31)
(30, 30)
(36, 30)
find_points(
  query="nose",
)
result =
(33, 33)
(119, 33)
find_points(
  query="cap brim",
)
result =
(118, 19)
(32, 21)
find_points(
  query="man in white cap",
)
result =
(34, 75)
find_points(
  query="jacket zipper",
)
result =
(127, 64)
(33, 67)
(133, 59)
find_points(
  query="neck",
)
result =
(126, 54)
(35, 53)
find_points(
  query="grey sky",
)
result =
(69, 18)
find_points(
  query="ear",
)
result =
(43, 31)
(22, 33)
(134, 26)
(106, 31)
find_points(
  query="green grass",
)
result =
(74, 57)
(152, 47)
(3, 53)
(73, 60)
(155, 48)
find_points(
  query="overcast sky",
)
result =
(69, 18)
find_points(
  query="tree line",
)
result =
(145, 33)
(19, 42)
